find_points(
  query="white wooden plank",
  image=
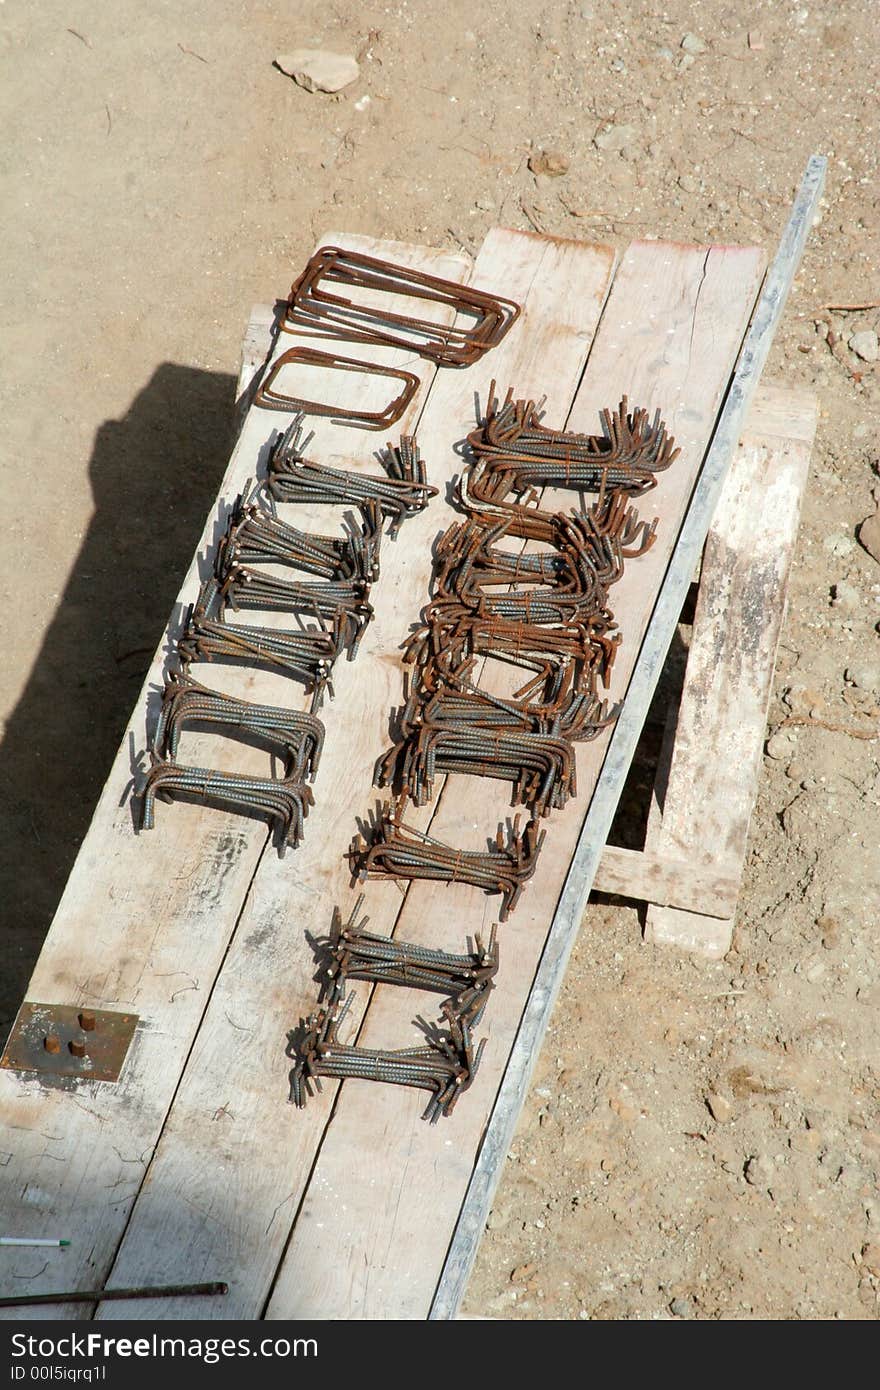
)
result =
(143, 925)
(669, 878)
(594, 831)
(668, 337)
(723, 713)
(224, 1187)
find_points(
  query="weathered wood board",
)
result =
(719, 732)
(622, 742)
(145, 923)
(247, 1170)
(385, 1184)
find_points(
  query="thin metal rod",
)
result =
(594, 831)
(30, 1300)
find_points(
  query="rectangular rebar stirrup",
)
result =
(297, 736)
(255, 535)
(400, 851)
(446, 1065)
(361, 955)
(285, 801)
(404, 492)
(367, 420)
(626, 456)
(307, 654)
(313, 305)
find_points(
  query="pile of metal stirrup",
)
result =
(447, 1062)
(327, 598)
(347, 296)
(544, 612)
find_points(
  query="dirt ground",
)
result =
(160, 176)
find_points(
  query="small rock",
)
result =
(756, 42)
(802, 698)
(840, 546)
(485, 204)
(617, 137)
(549, 162)
(869, 536)
(362, 102)
(719, 1107)
(686, 61)
(689, 183)
(318, 70)
(865, 344)
(871, 1258)
(845, 595)
(681, 1308)
(666, 54)
(522, 1273)
(864, 674)
(781, 745)
(693, 44)
(806, 1141)
(814, 971)
(621, 1106)
(758, 1170)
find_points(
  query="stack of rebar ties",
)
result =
(625, 457)
(403, 493)
(327, 595)
(446, 1064)
(545, 612)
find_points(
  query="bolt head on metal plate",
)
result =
(69, 1040)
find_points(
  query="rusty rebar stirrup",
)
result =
(363, 419)
(312, 305)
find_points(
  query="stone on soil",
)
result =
(617, 137)
(319, 70)
(869, 536)
(865, 345)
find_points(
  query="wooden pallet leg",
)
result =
(255, 348)
(719, 734)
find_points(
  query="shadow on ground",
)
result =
(154, 475)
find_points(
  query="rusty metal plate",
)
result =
(69, 1040)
